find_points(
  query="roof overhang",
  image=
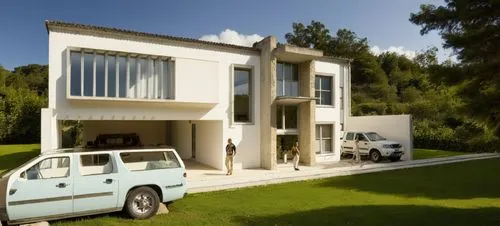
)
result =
(295, 54)
(293, 100)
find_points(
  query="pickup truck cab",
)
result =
(372, 145)
(79, 182)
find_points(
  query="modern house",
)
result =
(194, 95)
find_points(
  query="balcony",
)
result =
(95, 76)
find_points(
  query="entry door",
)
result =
(45, 189)
(193, 141)
(96, 183)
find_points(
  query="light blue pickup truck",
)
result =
(79, 182)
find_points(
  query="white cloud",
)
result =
(400, 50)
(229, 36)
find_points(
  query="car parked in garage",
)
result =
(372, 145)
(79, 182)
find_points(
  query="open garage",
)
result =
(200, 141)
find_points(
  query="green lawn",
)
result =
(456, 194)
(428, 153)
(12, 156)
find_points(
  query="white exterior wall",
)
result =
(202, 76)
(181, 138)
(331, 114)
(392, 127)
(209, 144)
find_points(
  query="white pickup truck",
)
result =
(373, 145)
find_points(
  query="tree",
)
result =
(471, 28)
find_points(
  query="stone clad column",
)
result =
(268, 158)
(307, 118)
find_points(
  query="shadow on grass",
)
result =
(13, 160)
(380, 215)
(466, 180)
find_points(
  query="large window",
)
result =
(323, 86)
(324, 139)
(112, 75)
(242, 89)
(287, 117)
(287, 76)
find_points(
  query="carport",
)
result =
(194, 140)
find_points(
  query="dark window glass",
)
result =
(166, 80)
(287, 77)
(350, 136)
(99, 77)
(242, 95)
(88, 74)
(122, 77)
(76, 74)
(111, 76)
(291, 117)
(323, 87)
(279, 117)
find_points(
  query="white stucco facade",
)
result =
(202, 96)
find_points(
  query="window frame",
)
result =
(251, 90)
(284, 80)
(168, 95)
(110, 160)
(332, 91)
(39, 161)
(321, 138)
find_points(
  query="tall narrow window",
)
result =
(341, 97)
(122, 76)
(132, 86)
(76, 74)
(287, 76)
(166, 79)
(111, 76)
(99, 77)
(242, 95)
(323, 86)
(143, 80)
(324, 139)
(88, 74)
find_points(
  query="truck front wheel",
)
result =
(375, 155)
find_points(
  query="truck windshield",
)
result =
(374, 136)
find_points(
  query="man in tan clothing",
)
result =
(230, 153)
(296, 155)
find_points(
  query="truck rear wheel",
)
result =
(142, 203)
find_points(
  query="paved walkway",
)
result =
(204, 179)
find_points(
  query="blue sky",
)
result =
(24, 40)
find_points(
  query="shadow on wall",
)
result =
(437, 182)
(380, 215)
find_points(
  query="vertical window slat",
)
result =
(106, 74)
(82, 72)
(94, 75)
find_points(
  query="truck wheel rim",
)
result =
(143, 203)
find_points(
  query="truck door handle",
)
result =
(366, 143)
(62, 185)
(108, 181)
